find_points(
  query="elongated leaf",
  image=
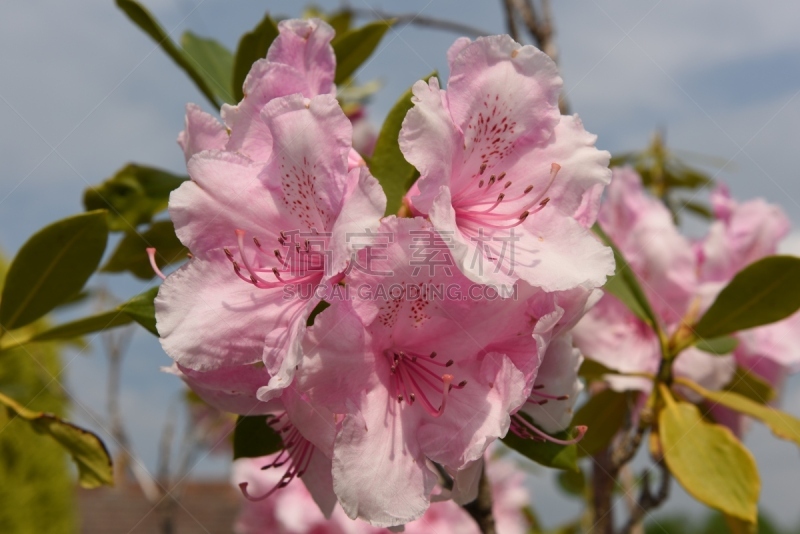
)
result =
(133, 195)
(781, 423)
(87, 325)
(253, 437)
(633, 291)
(719, 345)
(340, 21)
(131, 253)
(214, 64)
(764, 292)
(617, 286)
(52, 266)
(388, 164)
(546, 453)
(708, 461)
(592, 370)
(147, 23)
(603, 414)
(142, 309)
(87, 450)
(353, 47)
(751, 386)
(252, 46)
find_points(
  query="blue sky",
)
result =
(83, 92)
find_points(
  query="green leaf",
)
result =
(147, 23)
(353, 47)
(603, 414)
(388, 165)
(718, 345)
(751, 386)
(592, 370)
(52, 266)
(253, 437)
(632, 295)
(131, 254)
(708, 461)
(214, 64)
(142, 309)
(697, 208)
(133, 195)
(87, 451)
(87, 325)
(252, 46)
(340, 21)
(764, 292)
(617, 286)
(546, 453)
(572, 482)
(781, 423)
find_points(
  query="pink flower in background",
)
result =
(418, 379)
(741, 234)
(256, 230)
(291, 511)
(682, 279)
(664, 261)
(505, 176)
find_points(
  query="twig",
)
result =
(511, 23)
(420, 20)
(604, 480)
(648, 501)
(481, 508)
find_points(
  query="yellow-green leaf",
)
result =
(708, 461)
(781, 423)
(87, 450)
(52, 266)
(718, 345)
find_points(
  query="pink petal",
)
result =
(305, 45)
(230, 388)
(379, 472)
(202, 132)
(209, 319)
(225, 194)
(430, 141)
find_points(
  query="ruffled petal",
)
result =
(230, 388)
(208, 319)
(429, 141)
(305, 45)
(225, 193)
(202, 132)
(379, 472)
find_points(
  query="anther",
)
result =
(480, 184)
(228, 253)
(483, 168)
(502, 175)
(433, 354)
(449, 363)
(255, 240)
(524, 215)
(528, 189)
(278, 254)
(508, 184)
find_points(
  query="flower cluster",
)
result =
(681, 278)
(376, 398)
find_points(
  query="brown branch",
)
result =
(604, 480)
(647, 500)
(481, 508)
(420, 20)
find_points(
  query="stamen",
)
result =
(522, 428)
(151, 253)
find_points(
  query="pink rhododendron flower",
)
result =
(664, 261)
(291, 511)
(257, 231)
(510, 183)
(419, 379)
(299, 61)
